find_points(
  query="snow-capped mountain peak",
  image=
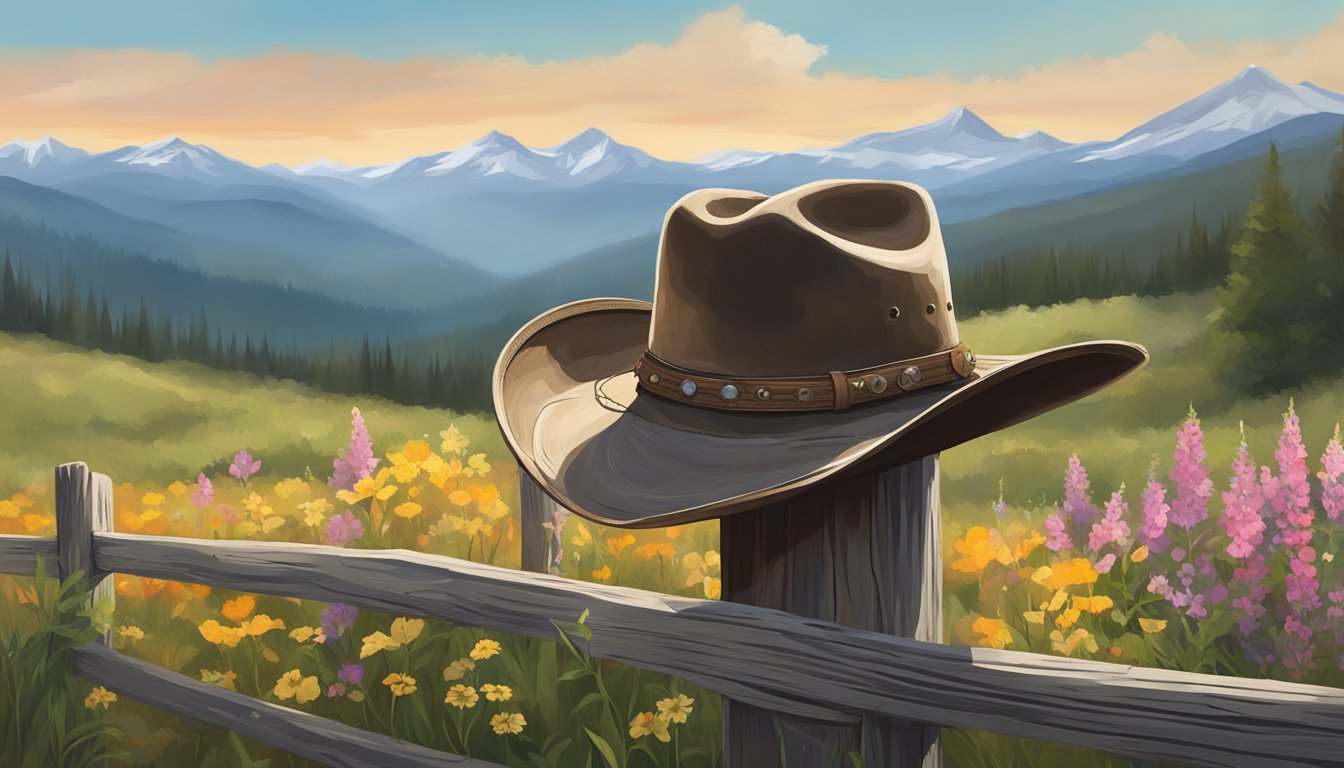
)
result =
(1041, 140)
(41, 152)
(1253, 101)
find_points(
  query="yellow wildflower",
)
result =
(214, 632)
(1058, 600)
(495, 692)
(238, 608)
(33, 523)
(713, 588)
(9, 509)
(617, 544)
(460, 498)
(675, 709)
(152, 499)
(1096, 604)
(1034, 617)
(457, 669)
(315, 512)
(400, 684)
(304, 634)
(603, 573)
(293, 685)
(711, 559)
(133, 632)
(980, 546)
(99, 695)
(177, 488)
(408, 509)
(1139, 555)
(582, 537)
(661, 549)
(1152, 626)
(485, 649)
(373, 486)
(672, 532)
(261, 624)
(461, 696)
(1080, 637)
(453, 441)
(994, 632)
(478, 465)
(1066, 574)
(506, 723)
(1067, 618)
(293, 486)
(645, 724)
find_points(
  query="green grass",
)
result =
(160, 422)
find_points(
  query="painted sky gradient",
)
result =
(273, 80)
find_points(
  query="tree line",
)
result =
(451, 380)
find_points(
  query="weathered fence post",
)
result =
(83, 506)
(863, 551)
(541, 544)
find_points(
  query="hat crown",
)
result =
(830, 276)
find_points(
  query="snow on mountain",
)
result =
(1043, 141)
(594, 154)
(44, 152)
(1249, 103)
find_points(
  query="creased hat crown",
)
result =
(831, 276)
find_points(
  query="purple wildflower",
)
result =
(1058, 531)
(1332, 477)
(335, 690)
(1077, 498)
(1193, 486)
(1112, 528)
(1153, 529)
(204, 493)
(351, 673)
(1105, 564)
(1241, 506)
(356, 461)
(244, 466)
(338, 617)
(344, 529)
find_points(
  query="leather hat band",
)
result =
(837, 390)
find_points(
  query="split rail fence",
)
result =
(766, 658)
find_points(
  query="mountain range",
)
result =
(440, 232)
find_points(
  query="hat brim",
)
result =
(566, 398)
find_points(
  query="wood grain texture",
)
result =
(19, 554)
(778, 661)
(316, 738)
(83, 507)
(862, 551)
(540, 545)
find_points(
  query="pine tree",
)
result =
(1332, 257)
(1265, 312)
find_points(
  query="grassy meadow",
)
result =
(170, 434)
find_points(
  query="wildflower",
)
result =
(495, 692)
(204, 493)
(1139, 555)
(485, 649)
(261, 624)
(478, 465)
(293, 685)
(344, 529)
(1193, 487)
(1153, 529)
(304, 634)
(676, 708)
(1105, 564)
(315, 512)
(460, 497)
(356, 461)
(133, 632)
(351, 673)
(152, 499)
(400, 684)
(370, 487)
(1000, 506)
(177, 488)
(506, 723)
(457, 669)
(407, 509)
(978, 548)
(238, 608)
(1094, 604)
(1070, 573)
(404, 631)
(338, 617)
(1059, 533)
(99, 695)
(453, 441)
(713, 588)
(1066, 646)
(660, 549)
(1077, 498)
(461, 696)
(221, 679)
(603, 573)
(1034, 617)
(1151, 626)
(1332, 477)
(244, 466)
(1112, 528)
(214, 632)
(617, 544)
(335, 690)
(646, 724)
(994, 632)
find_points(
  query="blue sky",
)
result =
(884, 39)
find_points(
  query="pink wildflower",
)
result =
(1241, 506)
(1112, 528)
(1058, 531)
(1077, 498)
(1193, 487)
(355, 462)
(1332, 477)
(1153, 530)
(204, 493)
(244, 466)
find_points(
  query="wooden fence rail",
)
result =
(775, 660)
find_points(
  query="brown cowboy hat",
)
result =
(791, 339)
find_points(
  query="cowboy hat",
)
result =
(791, 339)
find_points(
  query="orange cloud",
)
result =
(727, 82)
